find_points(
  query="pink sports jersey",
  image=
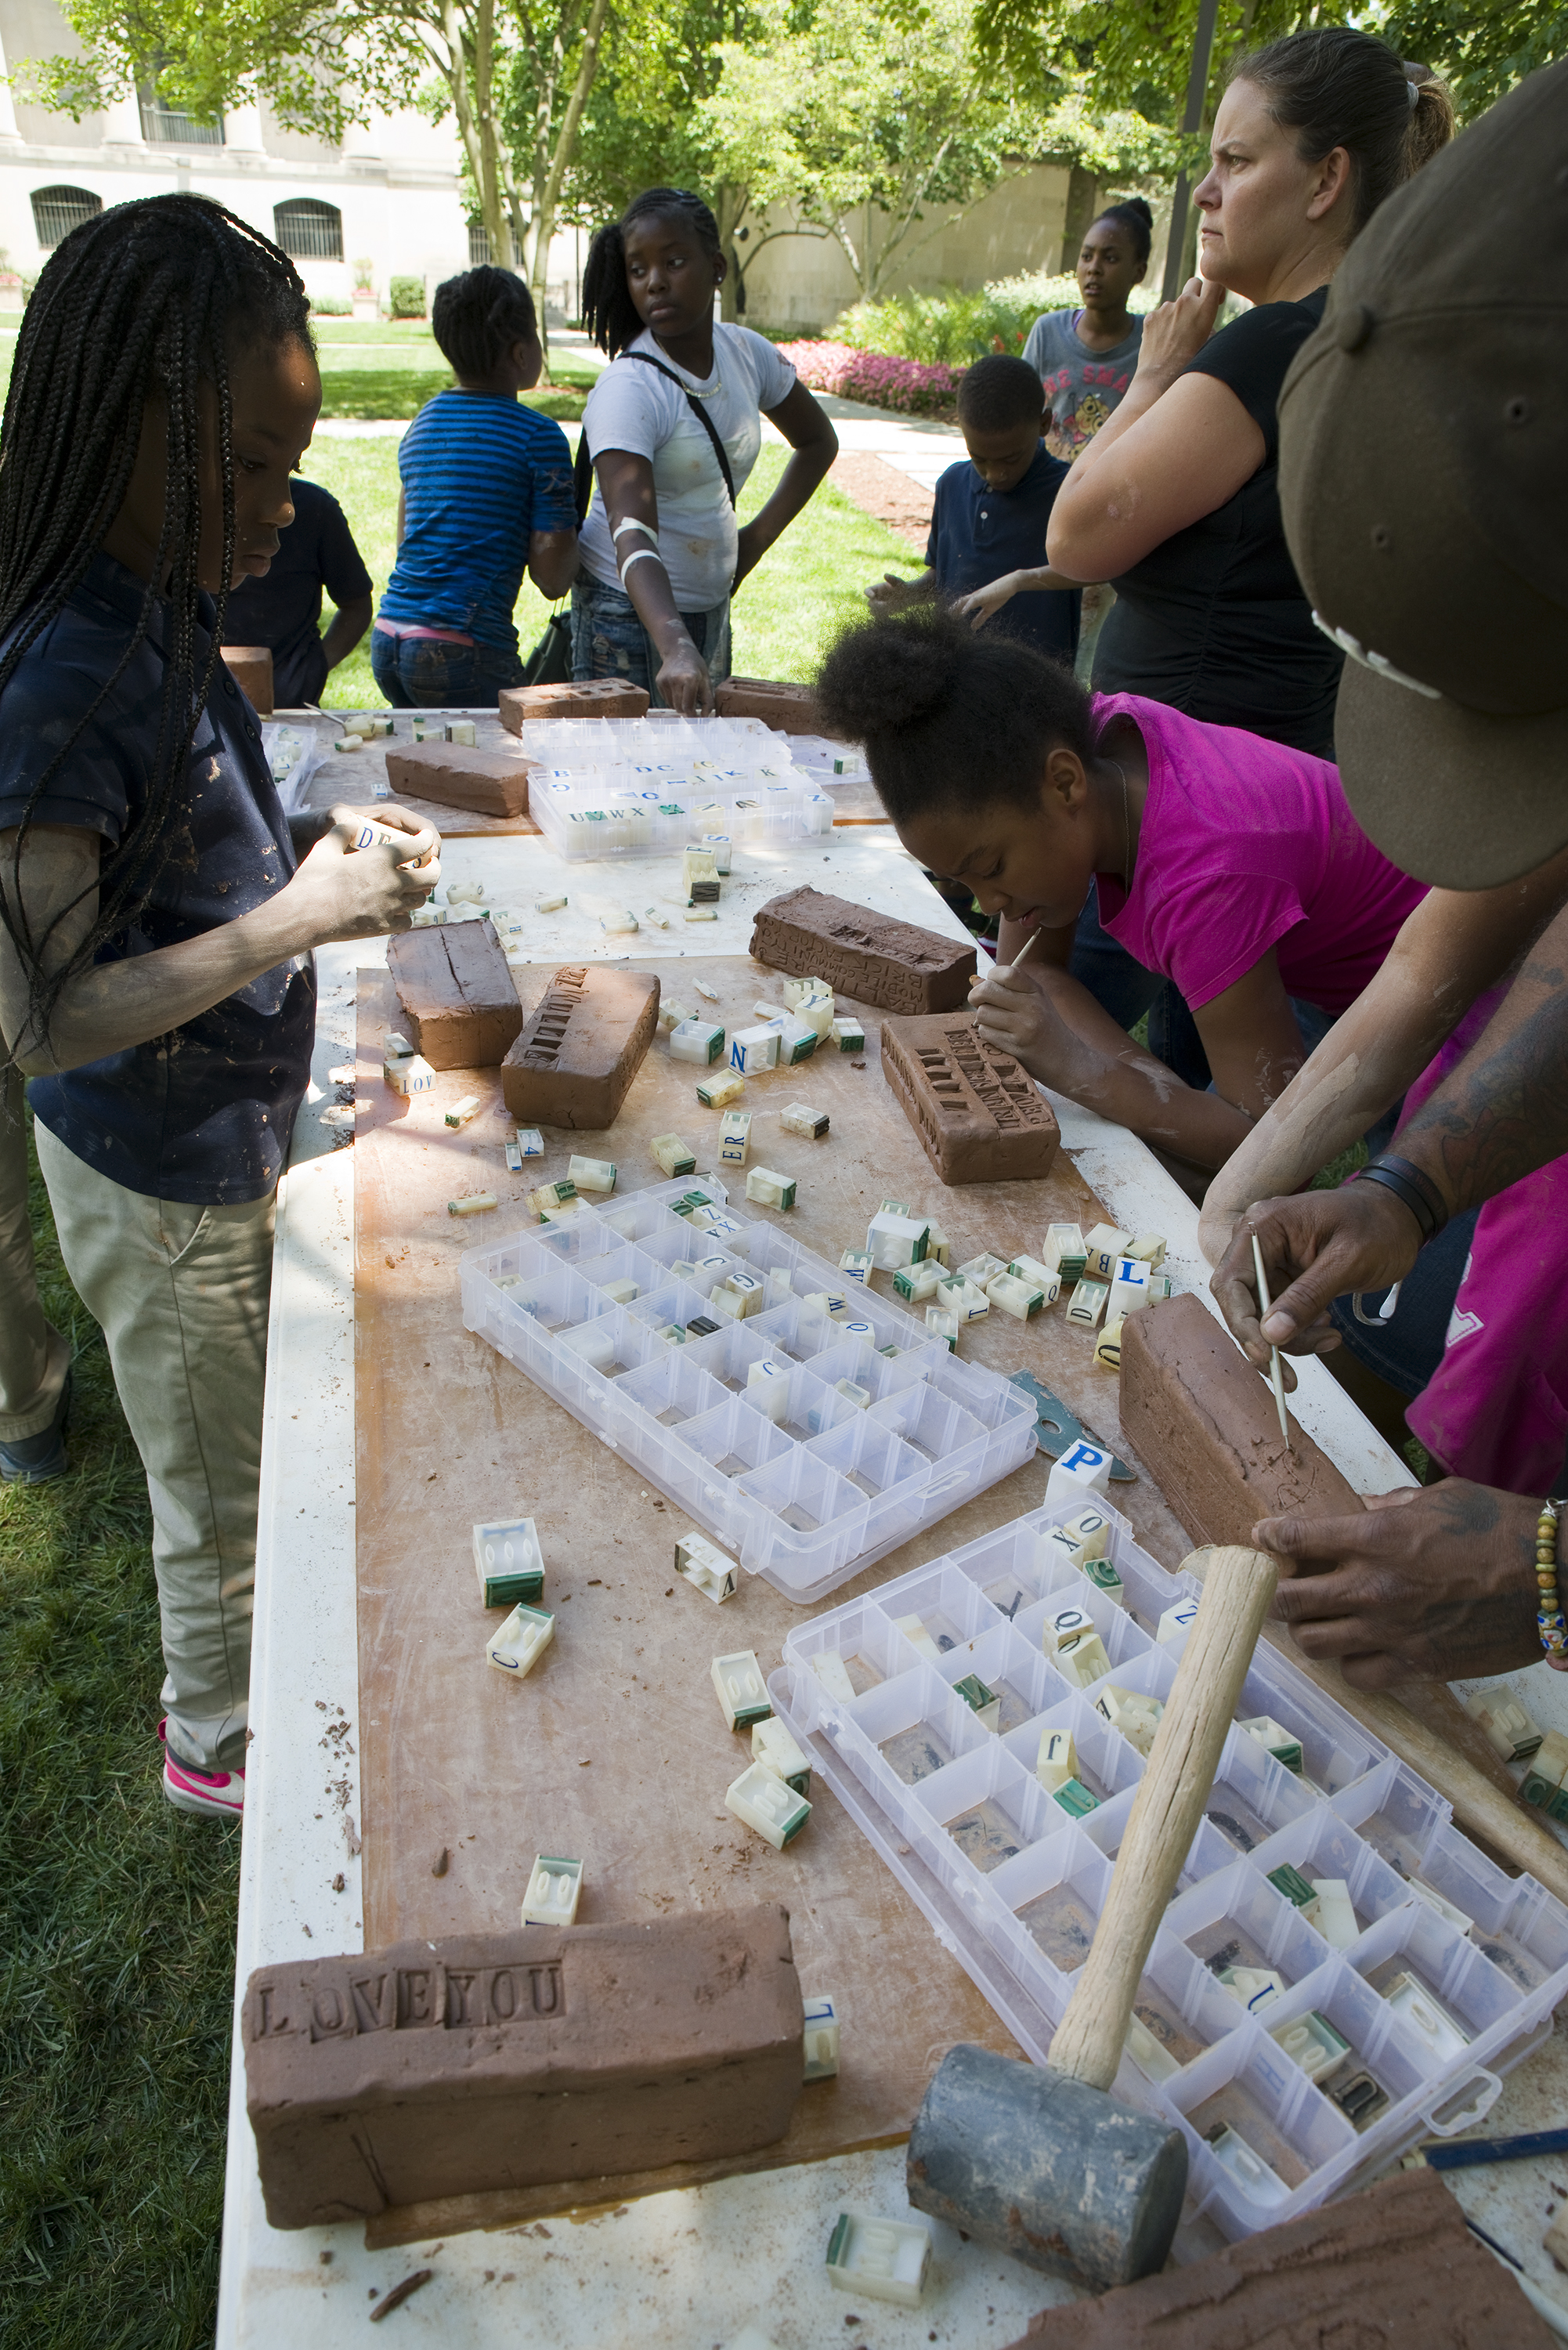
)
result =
(1496, 1408)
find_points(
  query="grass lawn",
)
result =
(116, 1913)
(392, 369)
(800, 592)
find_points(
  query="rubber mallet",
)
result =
(1039, 2160)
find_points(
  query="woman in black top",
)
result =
(1176, 500)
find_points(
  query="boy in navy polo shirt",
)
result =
(986, 552)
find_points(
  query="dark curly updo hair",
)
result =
(1134, 219)
(949, 717)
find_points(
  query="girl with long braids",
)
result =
(673, 428)
(157, 911)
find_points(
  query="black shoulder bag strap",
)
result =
(583, 476)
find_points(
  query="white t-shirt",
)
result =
(633, 407)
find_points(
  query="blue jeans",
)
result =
(609, 641)
(426, 673)
(1406, 1349)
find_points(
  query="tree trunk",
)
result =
(549, 196)
(730, 203)
(1083, 209)
(456, 72)
(497, 227)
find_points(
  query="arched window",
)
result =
(308, 229)
(57, 211)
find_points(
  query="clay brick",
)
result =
(581, 1046)
(979, 1115)
(789, 709)
(604, 697)
(1380, 2271)
(250, 666)
(456, 994)
(1203, 1423)
(894, 965)
(454, 775)
(519, 2060)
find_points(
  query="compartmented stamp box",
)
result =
(1300, 2038)
(806, 1493)
(646, 787)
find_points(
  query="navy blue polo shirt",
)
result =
(979, 535)
(283, 610)
(203, 1115)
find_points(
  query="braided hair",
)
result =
(609, 314)
(147, 301)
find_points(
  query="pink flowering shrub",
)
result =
(872, 377)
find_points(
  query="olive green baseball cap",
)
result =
(1424, 485)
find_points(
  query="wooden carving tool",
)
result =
(1275, 1372)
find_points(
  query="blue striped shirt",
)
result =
(480, 474)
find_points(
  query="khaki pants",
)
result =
(182, 1293)
(34, 1358)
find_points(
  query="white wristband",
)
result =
(647, 528)
(641, 554)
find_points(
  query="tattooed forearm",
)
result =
(1503, 1112)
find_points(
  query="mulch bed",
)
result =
(881, 490)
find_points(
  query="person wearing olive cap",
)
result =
(1424, 483)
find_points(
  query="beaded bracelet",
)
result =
(1549, 1616)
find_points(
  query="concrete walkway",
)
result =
(912, 445)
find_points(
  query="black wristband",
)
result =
(1409, 1183)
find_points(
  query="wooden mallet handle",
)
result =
(1237, 1592)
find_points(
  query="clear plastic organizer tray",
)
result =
(806, 1499)
(646, 787)
(1404, 2031)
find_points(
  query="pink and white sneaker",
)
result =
(219, 1794)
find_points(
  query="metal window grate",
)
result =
(478, 245)
(308, 229)
(57, 211)
(165, 126)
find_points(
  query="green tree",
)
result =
(318, 66)
(1136, 53)
(646, 128)
(1481, 48)
(878, 131)
(321, 65)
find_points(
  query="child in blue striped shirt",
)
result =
(487, 493)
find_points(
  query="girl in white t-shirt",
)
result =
(661, 548)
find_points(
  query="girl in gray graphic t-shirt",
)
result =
(1085, 358)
